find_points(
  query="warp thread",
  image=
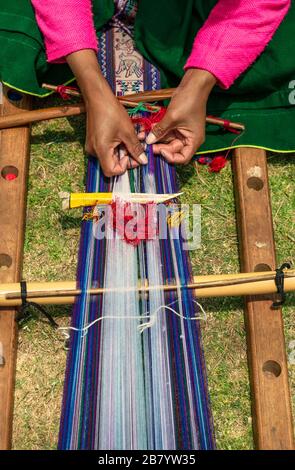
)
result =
(141, 328)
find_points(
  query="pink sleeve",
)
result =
(67, 26)
(234, 35)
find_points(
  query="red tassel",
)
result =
(134, 222)
(217, 164)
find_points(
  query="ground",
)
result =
(58, 164)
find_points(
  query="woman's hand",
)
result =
(182, 130)
(110, 136)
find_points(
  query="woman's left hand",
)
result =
(182, 130)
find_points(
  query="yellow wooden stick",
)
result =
(72, 200)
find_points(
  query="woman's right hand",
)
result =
(110, 136)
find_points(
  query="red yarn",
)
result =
(226, 125)
(62, 90)
(134, 222)
(217, 164)
(147, 122)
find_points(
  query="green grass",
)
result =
(51, 245)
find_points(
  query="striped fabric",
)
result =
(125, 389)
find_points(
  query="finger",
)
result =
(122, 165)
(190, 148)
(132, 164)
(171, 136)
(182, 156)
(188, 152)
(124, 153)
(135, 149)
(175, 145)
(173, 158)
(166, 140)
(111, 165)
(159, 130)
(169, 156)
(141, 135)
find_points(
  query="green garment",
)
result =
(263, 98)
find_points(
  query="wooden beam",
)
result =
(14, 161)
(272, 416)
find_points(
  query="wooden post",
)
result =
(14, 161)
(272, 416)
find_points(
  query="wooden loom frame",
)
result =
(271, 403)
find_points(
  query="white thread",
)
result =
(143, 326)
(153, 317)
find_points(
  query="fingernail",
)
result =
(151, 138)
(143, 158)
(163, 153)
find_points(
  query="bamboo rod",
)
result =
(36, 115)
(45, 114)
(65, 292)
(152, 95)
(29, 117)
(67, 90)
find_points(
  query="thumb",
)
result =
(135, 149)
(159, 130)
